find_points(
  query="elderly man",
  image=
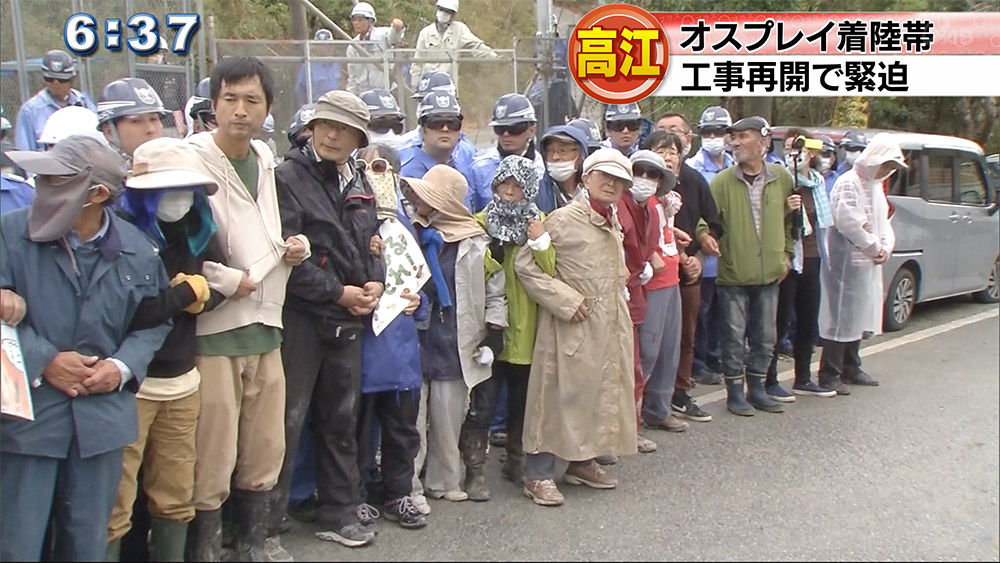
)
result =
(82, 358)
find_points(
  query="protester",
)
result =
(81, 356)
(240, 439)
(622, 122)
(851, 145)
(583, 321)
(563, 149)
(676, 123)
(448, 35)
(129, 113)
(166, 198)
(440, 123)
(375, 40)
(468, 312)
(514, 125)
(860, 241)
(755, 203)
(826, 164)
(58, 70)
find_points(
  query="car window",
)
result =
(971, 183)
(940, 176)
(908, 183)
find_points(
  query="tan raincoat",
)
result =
(580, 402)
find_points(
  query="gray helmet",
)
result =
(323, 35)
(622, 112)
(268, 127)
(714, 117)
(590, 130)
(204, 88)
(511, 109)
(439, 103)
(433, 81)
(381, 104)
(58, 64)
(128, 96)
(855, 140)
(302, 116)
(827, 143)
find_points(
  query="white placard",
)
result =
(405, 268)
(15, 394)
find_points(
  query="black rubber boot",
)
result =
(513, 468)
(204, 536)
(735, 400)
(250, 522)
(757, 396)
(167, 540)
(473, 445)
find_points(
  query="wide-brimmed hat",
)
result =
(165, 163)
(344, 107)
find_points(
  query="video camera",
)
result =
(802, 142)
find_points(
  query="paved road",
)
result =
(905, 471)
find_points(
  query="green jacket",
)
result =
(522, 312)
(748, 258)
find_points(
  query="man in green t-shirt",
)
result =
(241, 428)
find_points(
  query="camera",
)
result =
(801, 142)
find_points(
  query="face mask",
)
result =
(714, 146)
(389, 138)
(851, 156)
(443, 17)
(643, 188)
(174, 206)
(825, 164)
(562, 171)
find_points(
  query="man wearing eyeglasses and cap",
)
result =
(514, 125)
(82, 358)
(440, 126)
(622, 123)
(58, 70)
(323, 194)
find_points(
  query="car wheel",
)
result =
(900, 301)
(992, 292)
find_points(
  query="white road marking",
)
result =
(789, 375)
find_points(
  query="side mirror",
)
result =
(995, 206)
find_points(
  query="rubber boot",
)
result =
(757, 396)
(114, 551)
(473, 445)
(513, 468)
(250, 522)
(735, 401)
(167, 540)
(204, 536)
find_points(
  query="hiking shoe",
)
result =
(706, 376)
(305, 511)
(778, 393)
(274, 551)
(685, 407)
(645, 445)
(404, 512)
(367, 515)
(453, 496)
(606, 459)
(670, 424)
(351, 535)
(810, 388)
(590, 474)
(543, 493)
(861, 378)
(420, 501)
(498, 439)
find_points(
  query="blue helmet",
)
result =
(439, 103)
(302, 116)
(126, 97)
(381, 104)
(59, 65)
(854, 140)
(622, 112)
(590, 130)
(433, 81)
(511, 109)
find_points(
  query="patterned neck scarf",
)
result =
(507, 222)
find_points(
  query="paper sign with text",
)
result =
(405, 269)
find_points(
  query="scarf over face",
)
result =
(507, 222)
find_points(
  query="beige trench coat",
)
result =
(580, 393)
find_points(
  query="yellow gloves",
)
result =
(199, 285)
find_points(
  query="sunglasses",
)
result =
(644, 172)
(619, 126)
(383, 127)
(453, 124)
(378, 165)
(59, 80)
(512, 130)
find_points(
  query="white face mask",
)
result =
(851, 156)
(174, 206)
(562, 171)
(443, 17)
(389, 137)
(825, 164)
(714, 145)
(643, 188)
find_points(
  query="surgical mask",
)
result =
(851, 156)
(443, 17)
(825, 164)
(562, 171)
(174, 206)
(714, 145)
(389, 138)
(643, 188)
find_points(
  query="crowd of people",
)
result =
(195, 315)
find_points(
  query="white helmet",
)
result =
(448, 5)
(363, 9)
(69, 121)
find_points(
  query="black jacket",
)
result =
(176, 356)
(339, 222)
(696, 203)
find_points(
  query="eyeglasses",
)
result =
(646, 172)
(378, 165)
(383, 127)
(452, 123)
(619, 126)
(49, 79)
(512, 130)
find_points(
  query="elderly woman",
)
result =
(580, 402)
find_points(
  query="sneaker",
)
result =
(810, 388)
(498, 439)
(274, 551)
(784, 348)
(777, 393)
(590, 474)
(543, 493)
(645, 445)
(707, 377)
(420, 501)
(367, 516)
(606, 459)
(685, 407)
(351, 535)
(453, 496)
(286, 524)
(861, 378)
(837, 386)
(670, 424)
(404, 512)
(305, 511)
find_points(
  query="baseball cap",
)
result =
(609, 161)
(755, 123)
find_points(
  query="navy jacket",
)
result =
(63, 317)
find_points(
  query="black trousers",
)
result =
(393, 414)
(328, 372)
(483, 401)
(799, 293)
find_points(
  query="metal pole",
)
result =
(364, 52)
(385, 70)
(131, 56)
(201, 48)
(22, 66)
(517, 40)
(213, 51)
(188, 62)
(85, 81)
(309, 76)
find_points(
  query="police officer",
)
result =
(386, 123)
(58, 70)
(514, 124)
(590, 130)
(434, 81)
(440, 124)
(298, 133)
(198, 113)
(622, 123)
(129, 113)
(325, 76)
